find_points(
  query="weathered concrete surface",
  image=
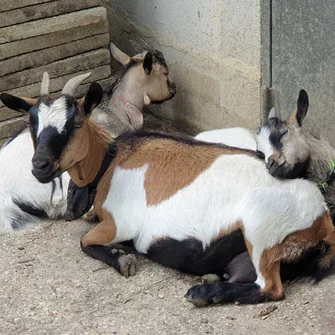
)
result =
(8, 5)
(10, 127)
(213, 49)
(44, 10)
(52, 24)
(50, 55)
(53, 39)
(48, 286)
(66, 66)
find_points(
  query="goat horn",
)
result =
(71, 86)
(45, 83)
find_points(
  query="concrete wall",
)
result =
(213, 49)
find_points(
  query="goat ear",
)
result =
(21, 105)
(272, 113)
(299, 114)
(302, 107)
(92, 98)
(120, 56)
(147, 62)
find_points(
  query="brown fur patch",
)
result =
(85, 152)
(173, 165)
(291, 249)
(102, 233)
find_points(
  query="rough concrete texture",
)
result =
(213, 49)
(66, 66)
(10, 127)
(44, 10)
(48, 286)
(50, 55)
(49, 25)
(53, 39)
(8, 5)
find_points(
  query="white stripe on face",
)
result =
(54, 115)
(263, 143)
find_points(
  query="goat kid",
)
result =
(180, 201)
(143, 79)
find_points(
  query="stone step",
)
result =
(43, 10)
(50, 55)
(10, 127)
(88, 60)
(53, 39)
(8, 5)
(52, 24)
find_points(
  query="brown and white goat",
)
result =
(180, 201)
(23, 200)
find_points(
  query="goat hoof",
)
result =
(210, 278)
(127, 265)
(194, 296)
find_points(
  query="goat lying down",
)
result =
(182, 202)
(23, 199)
(290, 152)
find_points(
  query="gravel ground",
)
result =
(48, 286)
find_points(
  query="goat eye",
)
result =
(78, 125)
(27, 123)
(282, 134)
(166, 74)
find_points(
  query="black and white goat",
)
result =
(143, 79)
(180, 201)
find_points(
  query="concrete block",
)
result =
(50, 55)
(74, 64)
(8, 128)
(3, 141)
(8, 5)
(56, 85)
(44, 10)
(52, 24)
(53, 39)
(6, 113)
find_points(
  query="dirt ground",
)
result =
(48, 286)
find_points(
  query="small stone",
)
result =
(161, 296)
(20, 248)
(230, 317)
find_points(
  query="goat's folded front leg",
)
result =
(93, 242)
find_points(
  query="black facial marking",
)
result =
(277, 131)
(287, 171)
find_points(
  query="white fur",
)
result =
(234, 188)
(234, 137)
(263, 143)
(17, 182)
(54, 115)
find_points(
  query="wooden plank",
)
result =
(44, 10)
(52, 24)
(12, 4)
(56, 85)
(69, 65)
(35, 43)
(50, 55)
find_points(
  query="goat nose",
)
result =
(270, 162)
(41, 164)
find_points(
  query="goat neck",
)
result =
(97, 141)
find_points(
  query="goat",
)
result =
(180, 201)
(144, 78)
(289, 152)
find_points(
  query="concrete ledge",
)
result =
(8, 5)
(8, 128)
(50, 55)
(88, 60)
(43, 10)
(53, 39)
(49, 25)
